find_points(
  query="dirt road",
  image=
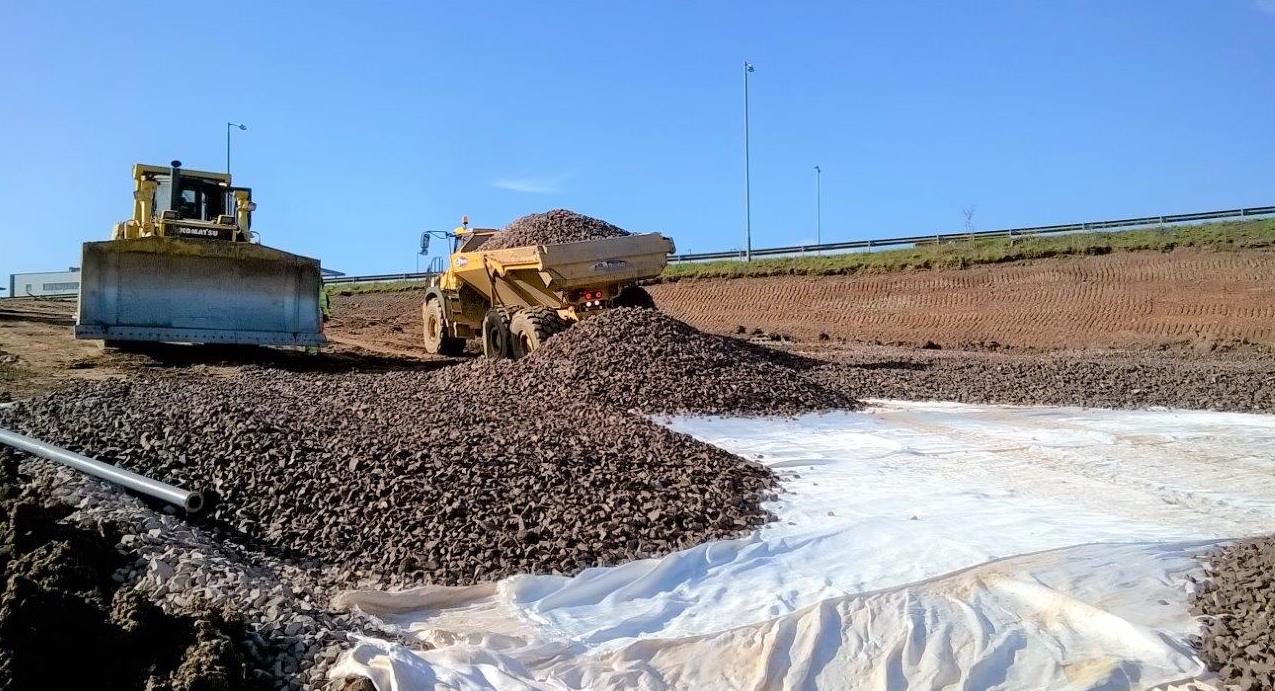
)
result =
(37, 350)
(385, 322)
(1185, 298)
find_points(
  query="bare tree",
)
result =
(969, 218)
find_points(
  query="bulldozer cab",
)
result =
(173, 202)
(198, 199)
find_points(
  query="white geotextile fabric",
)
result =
(916, 546)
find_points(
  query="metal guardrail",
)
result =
(907, 240)
(436, 267)
(377, 278)
(1007, 232)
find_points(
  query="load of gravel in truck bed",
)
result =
(644, 360)
(552, 228)
(1237, 605)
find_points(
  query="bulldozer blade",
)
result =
(198, 291)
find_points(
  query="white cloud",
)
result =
(530, 185)
(1265, 5)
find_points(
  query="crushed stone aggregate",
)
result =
(551, 228)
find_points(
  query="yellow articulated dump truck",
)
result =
(515, 298)
(186, 269)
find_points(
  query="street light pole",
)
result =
(228, 126)
(818, 210)
(748, 209)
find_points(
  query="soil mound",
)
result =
(551, 228)
(58, 590)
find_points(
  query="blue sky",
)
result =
(369, 122)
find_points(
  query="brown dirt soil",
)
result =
(384, 322)
(58, 589)
(37, 350)
(1197, 299)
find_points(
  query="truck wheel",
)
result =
(436, 339)
(532, 327)
(634, 296)
(497, 339)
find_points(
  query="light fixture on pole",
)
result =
(230, 125)
(818, 210)
(424, 249)
(748, 209)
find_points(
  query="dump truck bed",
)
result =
(533, 274)
(198, 291)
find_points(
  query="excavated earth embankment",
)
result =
(1188, 300)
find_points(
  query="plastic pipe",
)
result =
(192, 502)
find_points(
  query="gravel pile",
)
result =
(645, 360)
(1237, 605)
(1098, 381)
(551, 228)
(409, 477)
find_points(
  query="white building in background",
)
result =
(45, 283)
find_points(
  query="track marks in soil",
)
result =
(1124, 300)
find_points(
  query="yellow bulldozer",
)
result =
(516, 298)
(187, 268)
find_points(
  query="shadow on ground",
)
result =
(164, 355)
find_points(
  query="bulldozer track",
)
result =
(1185, 297)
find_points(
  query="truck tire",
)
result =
(634, 296)
(497, 339)
(532, 327)
(435, 329)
